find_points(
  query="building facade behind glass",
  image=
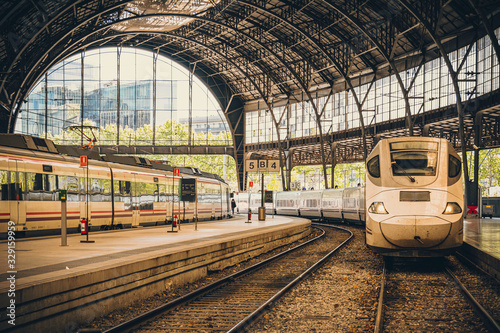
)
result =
(122, 90)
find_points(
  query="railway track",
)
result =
(234, 302)
(426, 296)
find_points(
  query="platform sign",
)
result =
(188, 189)
(63, 195)
(83, 161)
(268, 196)
(262, 165)
(273, 165)
(251, 165)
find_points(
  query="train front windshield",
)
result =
(417, 158)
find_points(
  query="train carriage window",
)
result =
(162, 193)
(124, 187)
(95, 190)
(72, 188)
(106, 190)
(146, 195)
(51, 188)
(36, 184)
(373, 167)
(4, 182)
(83, 188)
(12, 185)
(454, 166)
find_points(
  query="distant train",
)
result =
(333, 204)
(413, 194)
(113, 192)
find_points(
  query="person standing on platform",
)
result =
(233, 205)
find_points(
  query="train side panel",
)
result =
(353, 204)
(310, 204)
(332, 204)
(287, 203)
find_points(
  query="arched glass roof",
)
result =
(132, 96)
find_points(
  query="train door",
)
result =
(16, 186)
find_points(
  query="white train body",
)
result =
(335, 204)
(414, 197)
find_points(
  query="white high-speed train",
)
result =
(414, 197)
(413, 194)
(334, 204)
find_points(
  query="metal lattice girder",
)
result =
(291, 43)
(438, 123)
(262, 52)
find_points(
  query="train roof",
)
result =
(32, 143)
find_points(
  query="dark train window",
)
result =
(373, 167)
(40, 186)
(454, 167)
(4, 183)
(106, 189)
(11, 187)
(38, 182)
(125, 187)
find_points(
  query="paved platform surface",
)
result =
(57, 287)
(45, 254)
(35, 256)
(483, 234)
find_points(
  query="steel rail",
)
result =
(379, 319)
(488, 320)
(136, 321)
(251, 318)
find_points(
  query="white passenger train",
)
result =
(113, 192)
(334, 204)
(414, 197)
(413, 194)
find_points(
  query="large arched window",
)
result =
(132, 96)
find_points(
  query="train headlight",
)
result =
(452, 208)
(377, 208)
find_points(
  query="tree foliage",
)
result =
(168, 133)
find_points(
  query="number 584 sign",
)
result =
(262, 165)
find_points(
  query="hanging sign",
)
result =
(83, 161)
(177, 172)
(262, 165)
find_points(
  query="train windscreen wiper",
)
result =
(404, 171)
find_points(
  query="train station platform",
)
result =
(482, 243)
(57, 286)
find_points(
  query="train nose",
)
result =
(415, 231)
